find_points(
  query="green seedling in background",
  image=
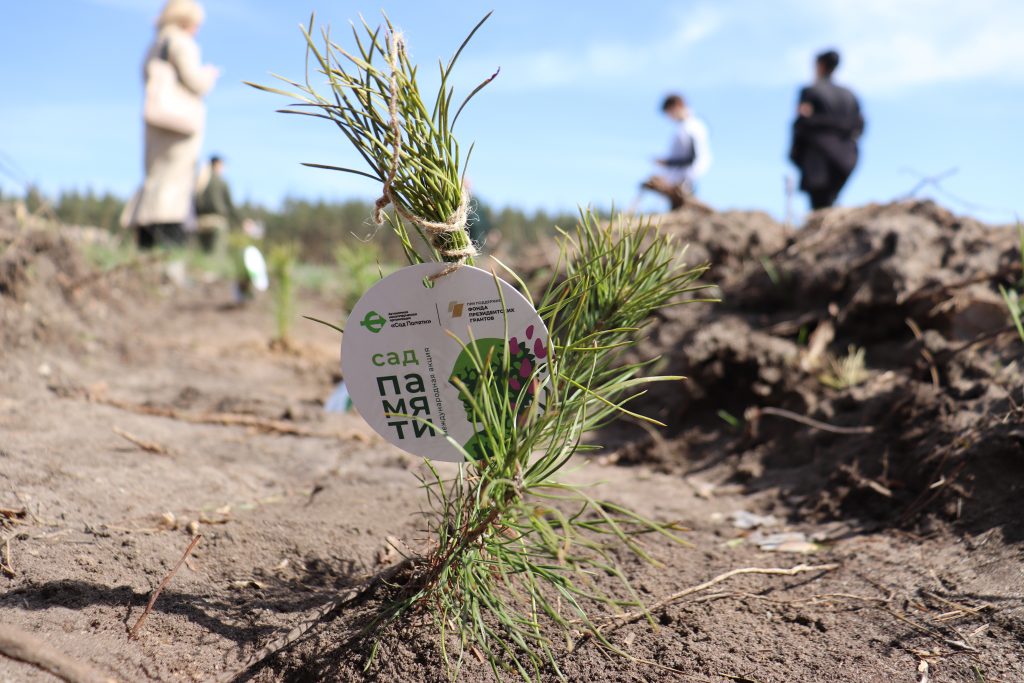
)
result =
(281, 267)
(359, 268)
(1012, 297)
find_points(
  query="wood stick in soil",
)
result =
(6, 563)
(810, 421)
(133, 634)
(25, 647)
(630, 617)
(230, 420)
(148, 446)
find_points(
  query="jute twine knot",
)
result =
(439, 231)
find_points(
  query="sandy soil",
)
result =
(90, 522)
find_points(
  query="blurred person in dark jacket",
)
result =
(827, 129)
(215, 212)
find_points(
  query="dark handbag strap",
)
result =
(164, 54)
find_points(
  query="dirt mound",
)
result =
(728, 241)
(39, 271)
(52, 296)
(865, 368)
(883, 264)
(22, 251)
(92, 518)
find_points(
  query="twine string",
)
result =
(439, 231)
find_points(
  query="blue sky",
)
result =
(572, 119)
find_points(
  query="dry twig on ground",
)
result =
(6, 563)
(925, 353)
(25, 647)
(13, 514)
(134, 632)
(809, 421)
(630, 617)
(261, 424)
(148, 446)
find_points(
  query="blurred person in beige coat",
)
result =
(164, 203)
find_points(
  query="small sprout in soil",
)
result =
(771, 271)
(803, 335)
(845, 371)
(1014, 306)
(730, 419)
(1012, 297)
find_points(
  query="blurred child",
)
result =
(689, 155)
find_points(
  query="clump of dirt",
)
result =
(928, 424)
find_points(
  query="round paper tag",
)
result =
(398, 358)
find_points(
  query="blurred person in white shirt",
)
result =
(688, 158)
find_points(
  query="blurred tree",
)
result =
(102, 211)
(34, 199)
(317, 226)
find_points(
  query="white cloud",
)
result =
(885, 45)
(601, 61)
(891, 45)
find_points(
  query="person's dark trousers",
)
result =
(145, 237)
(823, 198)
(149, 236)
(207, 240)
(826, 195)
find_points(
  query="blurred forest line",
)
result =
(318, 227)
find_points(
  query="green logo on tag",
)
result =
(373, 321)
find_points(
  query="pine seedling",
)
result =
(281, 266)
(409, 148)
(518, 549)
(520, 562)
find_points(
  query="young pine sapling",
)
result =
(514, 550)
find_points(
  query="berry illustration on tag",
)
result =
(414, 356)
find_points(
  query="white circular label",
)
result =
(399, 355)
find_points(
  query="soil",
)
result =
(914, 513)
